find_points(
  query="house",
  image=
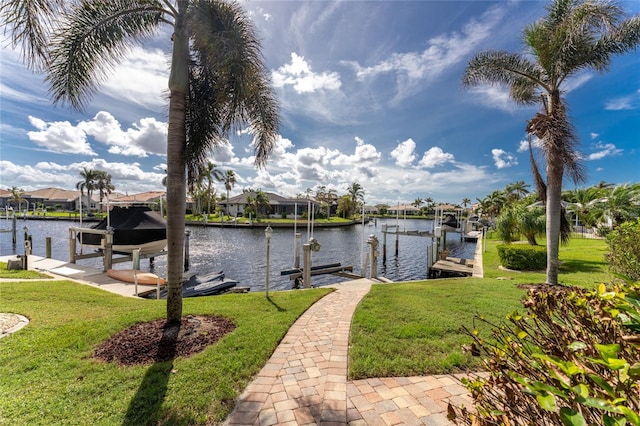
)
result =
(278, 206)
(403, 209)
(59, 199)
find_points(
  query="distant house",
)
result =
(403, 209)
(279, 206)
(59, 199)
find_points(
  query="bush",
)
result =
(522, 257)
(572, 359)
(624, 250)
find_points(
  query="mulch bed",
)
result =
(150, 342)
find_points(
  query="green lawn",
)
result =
(48, 375)
(415, 328)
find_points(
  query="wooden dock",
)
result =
(452, 267)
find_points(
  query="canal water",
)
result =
(241, 252)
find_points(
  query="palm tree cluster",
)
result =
(604, 206)
(574, 36)
(202, 190)
(94, 180)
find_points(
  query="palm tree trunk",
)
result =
(176, 167)
(554, 193)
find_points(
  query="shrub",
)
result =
(522, 257)
(572, 359)
(624, 250)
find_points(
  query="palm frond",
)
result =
(95, 37)
(229, 83)
(29, 23)
(514, 70)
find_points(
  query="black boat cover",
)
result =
(131, 225)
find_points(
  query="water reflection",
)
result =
(241, 252)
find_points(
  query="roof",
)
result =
(143, 197)
(54, 194)
(274, 199)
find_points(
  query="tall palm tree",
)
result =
(218, 80)
(229, 180)
(103, 184)
(209, 172)
(574, 36)
(465, 202)
(88, 183)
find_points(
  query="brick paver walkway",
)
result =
(305, 381)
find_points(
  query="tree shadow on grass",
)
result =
(581, 266)
(278, 307)
(145, 407)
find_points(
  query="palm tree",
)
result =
(356, 194)
(103, 184)
(229, 180)
(218, 80)
(574, 36)
(465, 202)
(17, 197)
(88, 182)
(261, 201)
(619, 204)
(209, 173)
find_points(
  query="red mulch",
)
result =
(150, 342)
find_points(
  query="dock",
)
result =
(332, 268)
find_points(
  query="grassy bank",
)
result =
(415, 328)
(49, 376)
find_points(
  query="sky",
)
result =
(369, 92)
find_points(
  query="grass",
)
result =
(20, 274)
(401, 329)
(49, 375)
(416, 328)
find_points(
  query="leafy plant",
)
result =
(624, 250)
(572, 359)
(522, 258)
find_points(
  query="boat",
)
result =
(131, 275)
(209, 284)
(135, 227)
(450, 221)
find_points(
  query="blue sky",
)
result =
(370, 92)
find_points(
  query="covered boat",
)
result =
(450, 221)
(135, 227)
(202, 285)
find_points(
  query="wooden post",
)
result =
(47, 247)
(397, 238)
(306, 268)
(384, 244)
(72, 246)
(108, 251)
(13, 229)
(296, 248)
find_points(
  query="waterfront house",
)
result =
(278, 206)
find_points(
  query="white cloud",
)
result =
(628, 102)
(523, 146)
(299, 75)
(503, 159)
(146, 137)
(141, 79)
(440, 54)
(404, 153)
(594, 135)
(435, 156)
(604, 150)
(59, 137)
